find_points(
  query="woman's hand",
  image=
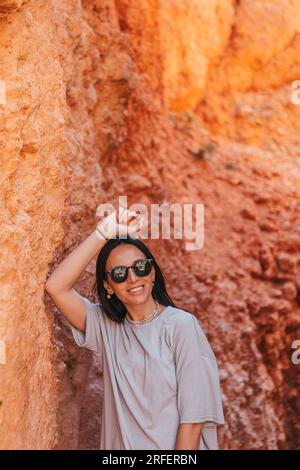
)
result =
(117, 223)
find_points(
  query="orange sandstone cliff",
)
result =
(184, 102)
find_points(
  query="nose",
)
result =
(132, 277)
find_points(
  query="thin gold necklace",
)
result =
(138, 322)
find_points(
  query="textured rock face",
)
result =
(8, 6)
(92, 89)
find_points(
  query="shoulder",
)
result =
(178, 316)
(185, 331)
(98, 308)
(182, 322)
(91, 307)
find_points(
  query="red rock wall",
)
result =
(159, 101)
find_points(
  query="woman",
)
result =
(161, 381)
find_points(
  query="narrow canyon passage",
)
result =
(161, 102)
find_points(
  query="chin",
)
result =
(139, 299)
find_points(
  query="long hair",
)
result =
(113, 307)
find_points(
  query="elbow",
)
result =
(50, 288)
(47, 287)
(47, 284)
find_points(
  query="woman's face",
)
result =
(125, 255)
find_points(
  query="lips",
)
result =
(136, 289)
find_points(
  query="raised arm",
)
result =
(60, 283)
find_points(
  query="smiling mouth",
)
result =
(136, 289)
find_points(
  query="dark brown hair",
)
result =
(113, 307)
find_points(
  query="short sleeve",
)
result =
(198, 384)
(92, 337)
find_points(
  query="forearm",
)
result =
(69, 270)
(188, 436)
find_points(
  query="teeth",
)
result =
(136, 289)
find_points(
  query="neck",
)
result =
(141, 311)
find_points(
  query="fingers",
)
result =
(133, 229)
(120, 214)
(126, 220)
(138, 226)
(127, 214)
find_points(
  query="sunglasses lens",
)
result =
(142, 267)
(118, 274)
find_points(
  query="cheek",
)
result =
(119, 289)
(147, 281)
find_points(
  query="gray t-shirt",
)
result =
(155, 376)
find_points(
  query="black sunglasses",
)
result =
(141, 267)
